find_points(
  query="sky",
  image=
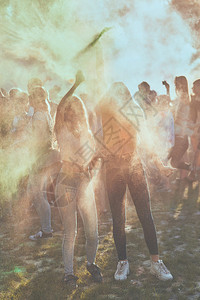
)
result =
(145, 40)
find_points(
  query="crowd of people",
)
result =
(85, 155)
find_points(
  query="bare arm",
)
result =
(167, 86)
(79, 79)
(61, 106)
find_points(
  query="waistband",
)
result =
(125, 157)
(73, 166)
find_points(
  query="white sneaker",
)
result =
(160, 270)
(122, 270)
(40, 235)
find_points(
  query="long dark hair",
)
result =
(181, 86)
(119, 93)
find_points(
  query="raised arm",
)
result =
(167, 86)
(79, 79)
(61, 106)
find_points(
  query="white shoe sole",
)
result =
(32, 238)
(163, 279)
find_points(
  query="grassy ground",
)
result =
(34, 270)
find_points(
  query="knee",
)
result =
(69, 236)
(39, 200)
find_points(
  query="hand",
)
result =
(79, 78)
(166, 84)
(95, 163)
(167, 171)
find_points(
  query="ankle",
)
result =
(155, 258)
(46, 232)
(122, 260)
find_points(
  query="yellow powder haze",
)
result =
(147, 40)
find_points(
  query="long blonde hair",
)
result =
(181, 86)
(75, 105)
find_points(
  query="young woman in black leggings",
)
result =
(124, 167)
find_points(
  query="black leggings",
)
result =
(118, 175)
(179, 149)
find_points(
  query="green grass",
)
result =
(34, 271)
